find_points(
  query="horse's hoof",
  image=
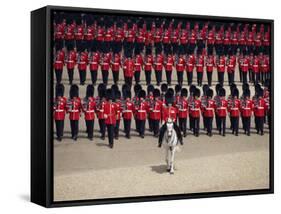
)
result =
(171, 173)
(168, 170)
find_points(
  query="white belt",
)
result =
(89, 111)
(101, 110)
(73, 111)
(260, 107)
(195, 109)
(127, 111)
(59, 110)
(221, 108)
(234, 108)
(247, 108)
(183, 109)
(141, 110)
(155, 110)
(209, 108)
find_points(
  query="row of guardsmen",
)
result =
(256, 69)
(158, 106)
(106, 34)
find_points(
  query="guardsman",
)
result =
(166, 42)
(221, 69)
(138, 67)
(59, 29)
(100, 109)
(158, 67)
(194, 110)
(246, 107)
(221, 105)
(149, 99)
(89, 37)
(155, 112)
(203, 99)
(94, 66)
(58, 65)
(70, 64)
(200, 69)
(141, 108)
(79, 35)
(82, 66)
(183, 111)
(230, 68)
(74, 109)
(189, 68)
(209, 68)
(127, 112)
(59, 110)
(128, 69)
(256, 70)
(148, 63)
(233, 108)
(118, 103)
(259, 111)
(169, 111)
(180, 66)
(69, 36)
(110, 112)
(88, 107)
(105, 65)
(217, 99)
(139, 43)
(208, 111)
(245, 69)
(168, 65)
(190, 100)
(210, 42)
(115, 67)
(164, 88)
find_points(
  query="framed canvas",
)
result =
(134, 106)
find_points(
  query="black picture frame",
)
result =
(41, 109)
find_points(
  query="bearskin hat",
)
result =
(101, 90)
(127, 94)
(171, 91)
(245, 86)
(59, 90)
(109, 94)
(125, 88)
(184, 92)
(235, 92)
(210, 93)
(222, 92)
(260, 92)
(257, 87)
(169, 97)
(74, 91)
(117, 95)
(90, 90)
(218, 87)
(141, 94)
(205, 89)
(197, 92)
(267, 83)
(115, 87)
(247, 93)
(156, 93)
(137, 89)
(177, 88)
(192, 89)
(150, 89)
(164, 88)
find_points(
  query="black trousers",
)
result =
(210, 49)
(245, 79)
(79, 45)
(59, 44)
(240, 75)
(90, 128)
(259, 124)
(221, 124)
(127, 127)
(128, 81)
(182, 125)
(74, 125)
(115, 75)
(94, 74)
(148, 77)
(137, 76)
(70, 76)
(191, 122)
(221, 77)
(102, 127)
(155, 126)
(199, 78)
(59, 128)
(196, 122)
(110, 133)
(58, 75)
(104, 76)
(141, 127)
(82, 75)
(230, 77)
(169, 77)
(246, 124)
(150, 124)
(69, 44)
(209, 77)
(116, 128)
(158, 76)
(234, 124)
(180, 77)
(189, 77)
(209, 124)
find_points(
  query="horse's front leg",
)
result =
(172, 160)
(167, 158)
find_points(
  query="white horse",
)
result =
(170, 135)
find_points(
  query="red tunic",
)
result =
(110, 113)
(74, 108)
(183, 108)
(221, 107)
(169, 112)
(260, 107)
(59, 108)
(89, 106)
(246, 107)
(129, 67)
(169, 63)
(148, 63)
(138, 63)
(141, 110)
(155, 110)
(194, 108)
(180, 64)
(127, 112)
(208, 110)
(233, 107)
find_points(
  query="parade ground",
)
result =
(85, 169)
